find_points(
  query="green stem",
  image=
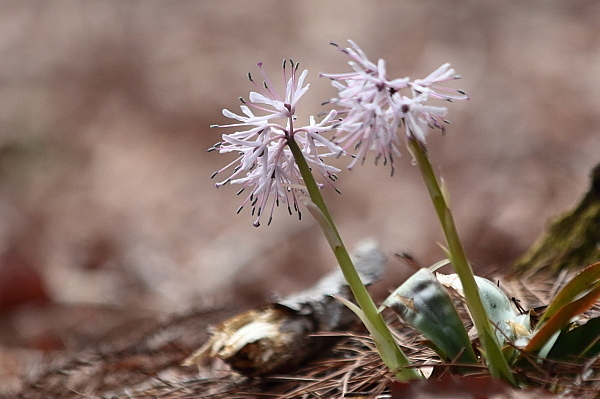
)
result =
(385, 342)
(496, 362)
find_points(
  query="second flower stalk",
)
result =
(496, 362)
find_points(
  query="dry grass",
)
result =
(353, 369)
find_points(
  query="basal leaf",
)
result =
(424, 303)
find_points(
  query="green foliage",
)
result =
(579, 343)
(422, 302)
(577, 296)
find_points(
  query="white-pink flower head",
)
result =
(265, 164)
(374, 106)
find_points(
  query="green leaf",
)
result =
(498, 307)
(578, 343)
(577, 296)
(584, 281)
(561, 318)
(422, 302)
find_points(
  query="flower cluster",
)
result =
(265, 164)
(375, 107)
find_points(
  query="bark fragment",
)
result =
(278, 337)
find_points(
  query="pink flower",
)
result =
(265, 165)
(374, 106)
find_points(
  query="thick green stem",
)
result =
(496, 362)
(387, 346)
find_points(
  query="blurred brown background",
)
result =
(107, 210)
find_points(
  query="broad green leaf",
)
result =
(578, 343)
(424, 303)
(497, 305)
